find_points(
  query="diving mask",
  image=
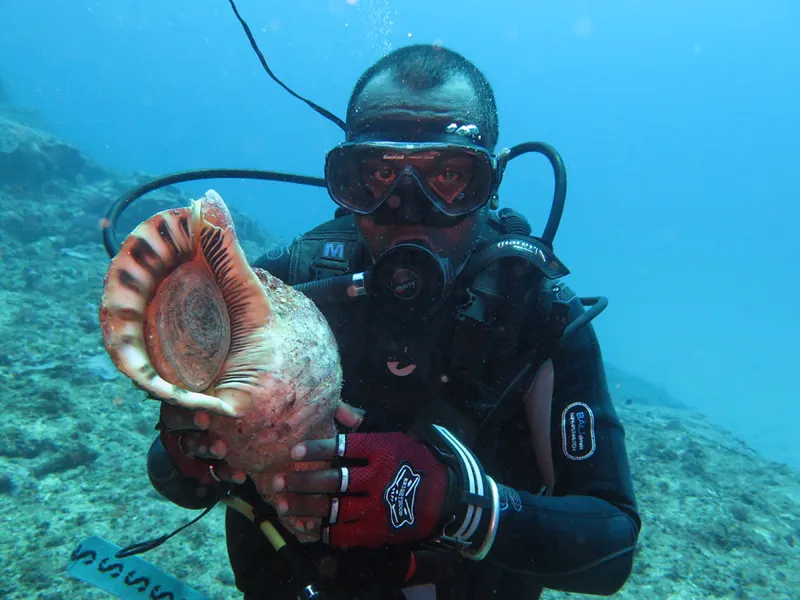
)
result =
(458, 179)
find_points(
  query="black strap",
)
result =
(499, 310)
(507, 405)
(147, 545)
(500, 357)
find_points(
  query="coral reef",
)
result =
(31, 157)
(719, 520)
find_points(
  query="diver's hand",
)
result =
(377, 489)
(196, 452)
(194, 449)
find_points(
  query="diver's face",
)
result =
(407, 213)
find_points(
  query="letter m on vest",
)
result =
(333, 250)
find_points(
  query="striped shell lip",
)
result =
(182, 312)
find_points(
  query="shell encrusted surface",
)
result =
(186, 318)
(298, 390)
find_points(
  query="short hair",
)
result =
(421, 67)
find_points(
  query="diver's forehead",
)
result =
(384, 99)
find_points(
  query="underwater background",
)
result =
(679, 126)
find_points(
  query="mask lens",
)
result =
(456, 179)
(345, 181)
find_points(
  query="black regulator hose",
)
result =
(596, 304)
(336, 288)
(560, 176)
(513, 222)
(116, 209)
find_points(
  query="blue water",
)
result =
(678, 123)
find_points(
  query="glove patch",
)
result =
(401, 495)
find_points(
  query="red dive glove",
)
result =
(396, 494)
(394, 489)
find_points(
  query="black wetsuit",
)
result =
(579, 538)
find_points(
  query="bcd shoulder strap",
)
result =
(507, 320)
(333, 248)
(508, 327)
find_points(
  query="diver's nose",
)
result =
(408, 201)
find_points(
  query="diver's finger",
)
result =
(349, 416)
(224, 472)
(200, 444)
(178, 418)
(306, 529)
(309, 482)
(315, 450)
(311, 528)
(303, 505)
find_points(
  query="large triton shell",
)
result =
(185, 317)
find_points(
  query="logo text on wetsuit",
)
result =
(524, 246)
(333, 250)
(577, 431)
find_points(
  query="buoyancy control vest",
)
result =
(485, 344)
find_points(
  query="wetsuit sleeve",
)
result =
(581, 538)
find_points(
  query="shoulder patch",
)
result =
(577, 431)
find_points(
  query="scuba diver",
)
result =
(481, 455)
(488, 460)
